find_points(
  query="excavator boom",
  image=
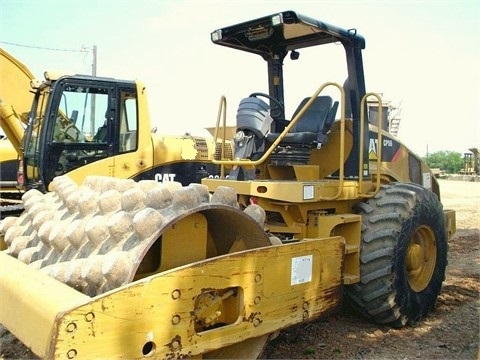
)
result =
(15, 104)
(15, 97)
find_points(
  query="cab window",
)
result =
(128, 122)
(81, 115)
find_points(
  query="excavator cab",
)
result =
(88, 121)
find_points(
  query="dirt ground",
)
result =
(451, 331)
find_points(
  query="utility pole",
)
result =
(92, 108)
(94, 62)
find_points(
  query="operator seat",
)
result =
(314, 124)
(102, 132)
(309, 132)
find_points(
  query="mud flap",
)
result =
(450, 221)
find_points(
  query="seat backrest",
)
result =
(313, 119)
(321, 137)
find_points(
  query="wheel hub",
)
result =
(414, 257)
(421, 258)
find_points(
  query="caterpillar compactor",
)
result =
(84, 125)
(314, 209)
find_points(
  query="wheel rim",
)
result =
(421, 258)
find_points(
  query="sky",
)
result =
(422, 56)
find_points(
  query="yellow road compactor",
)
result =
(311, 212)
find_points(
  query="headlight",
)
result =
(216, 35)
(277, 19)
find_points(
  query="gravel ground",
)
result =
(451, 331)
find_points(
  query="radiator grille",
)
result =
(228, 151)
(414, 169)
(201, 146)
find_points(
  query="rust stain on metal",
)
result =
(175, 344)
(251, 317)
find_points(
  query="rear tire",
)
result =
(403, 255)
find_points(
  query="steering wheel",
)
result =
(278, 103)
(72, 133)
(276, 111)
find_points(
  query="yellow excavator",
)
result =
(15, 103)
(310, 212)
(84, 125)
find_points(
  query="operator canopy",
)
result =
(283, 32)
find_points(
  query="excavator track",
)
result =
(8, 208)
(109, 232)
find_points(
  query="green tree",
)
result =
(449, 161)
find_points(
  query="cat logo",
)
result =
(163, 178)
(373, 147)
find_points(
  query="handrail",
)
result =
(248, 162)
(221, 108)
(341, 161)
(379, 146)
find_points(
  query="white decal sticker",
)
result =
(427, 180)
(301, 269)
(308, 192)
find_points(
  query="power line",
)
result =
(83, 49)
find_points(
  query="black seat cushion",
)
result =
(309, 129)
